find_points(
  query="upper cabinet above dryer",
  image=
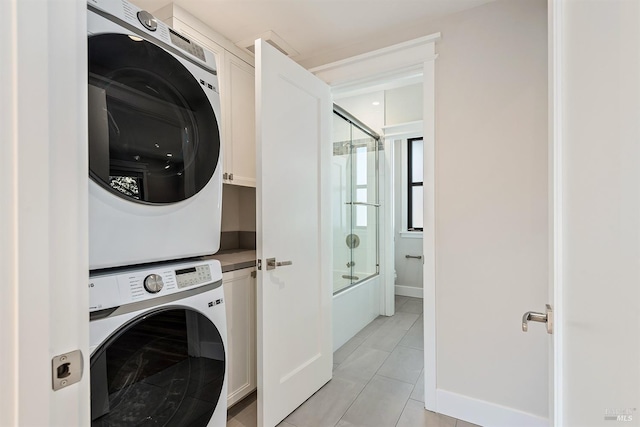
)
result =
(236, 76)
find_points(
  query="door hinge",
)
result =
(259, 263)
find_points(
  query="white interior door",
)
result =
(597, 142)
(293, 112)
(44, 262)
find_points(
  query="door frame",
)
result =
(372, 71)
(556, 147)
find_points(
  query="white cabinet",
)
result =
(240, 135)
(237, 92)
(240, 303)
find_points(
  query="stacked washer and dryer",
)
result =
(157, 316)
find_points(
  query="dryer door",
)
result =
(163, 368)
(153, 134)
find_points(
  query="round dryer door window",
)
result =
(153, 134)
(165, 368)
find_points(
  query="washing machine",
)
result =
(155, 192)
(157, 341)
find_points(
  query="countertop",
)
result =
(235, 259)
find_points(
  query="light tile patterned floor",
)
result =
(377, 381)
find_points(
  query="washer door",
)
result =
(164, 368)
(153, 134)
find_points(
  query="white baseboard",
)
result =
(485, 413)
(409, 291)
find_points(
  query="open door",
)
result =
(597, 182)
(293, 112)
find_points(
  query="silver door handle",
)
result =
(533, 316)
(377, 205)
(272, 264)
(413, 256)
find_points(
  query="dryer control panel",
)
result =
(113, 289)
(144, 24)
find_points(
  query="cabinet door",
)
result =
(240, 138)
(240, 303)
(237, 92)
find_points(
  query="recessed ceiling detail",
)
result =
(273, 39)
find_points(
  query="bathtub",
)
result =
(354, 307)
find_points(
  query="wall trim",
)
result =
(403, 130)
(379, 52)
(429, 237)
(402, 60)
(484, 413)
(409, 291)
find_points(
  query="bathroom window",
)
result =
(415, 184)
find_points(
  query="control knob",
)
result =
(147, 20)
(153, 283)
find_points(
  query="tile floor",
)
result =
(377, 381)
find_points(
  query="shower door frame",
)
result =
(354, 121)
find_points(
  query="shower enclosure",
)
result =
(356, 151)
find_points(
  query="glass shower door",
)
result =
(355, 179)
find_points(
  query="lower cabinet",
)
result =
(240, 304)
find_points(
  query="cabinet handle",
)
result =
(413, 256)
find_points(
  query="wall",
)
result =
(491, 208)
(362, 107)
(409, 272)
(238, 208)
(403, 104)
(238, 228)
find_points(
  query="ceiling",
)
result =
(321, 31)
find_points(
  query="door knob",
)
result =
(532, 316)
(272, 264)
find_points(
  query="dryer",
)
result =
(157, 339)
(155, 158)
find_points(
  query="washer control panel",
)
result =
(113, 289)
(192, 276)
